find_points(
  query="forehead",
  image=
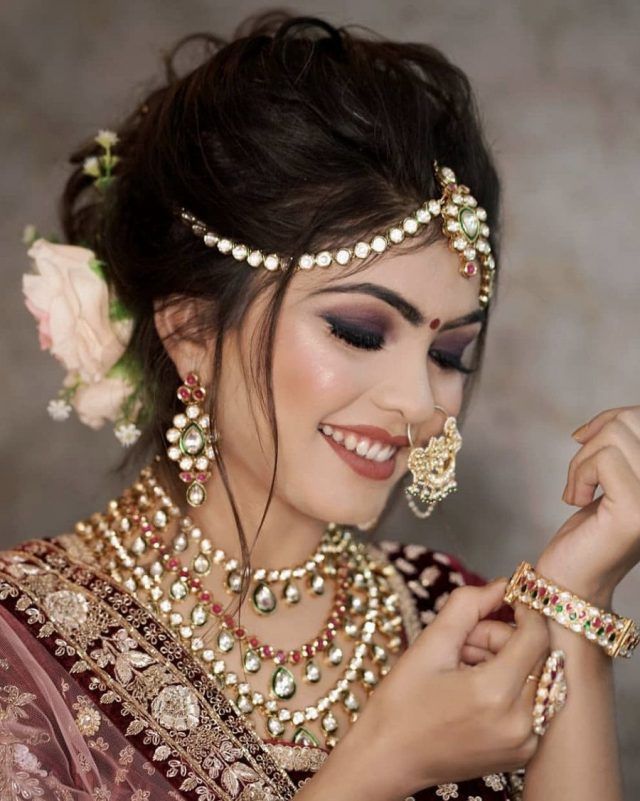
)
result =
(429, 277)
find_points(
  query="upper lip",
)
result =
(373, 433)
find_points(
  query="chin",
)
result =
(343, 510)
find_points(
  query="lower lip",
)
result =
(378, 471)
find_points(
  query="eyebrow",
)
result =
(410, 313)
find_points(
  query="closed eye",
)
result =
(355, 335)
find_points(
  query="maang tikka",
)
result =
(433, 468)
(191, 441)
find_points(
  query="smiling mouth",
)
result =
(365, 447)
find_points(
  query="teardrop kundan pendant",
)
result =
(191, 442)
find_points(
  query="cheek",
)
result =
(311, 376)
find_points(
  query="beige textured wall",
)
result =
(558, 86)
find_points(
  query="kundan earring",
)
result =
(191, 441)
(433, 468)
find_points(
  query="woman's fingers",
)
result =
(490, 635)
(465, 608)
(617, 433)
(609, 468)
(628, 414)
(524, 651)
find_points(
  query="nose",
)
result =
(408, 393)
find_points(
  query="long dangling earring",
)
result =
(191, 441)
(433, 468)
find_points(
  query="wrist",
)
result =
(596, 591)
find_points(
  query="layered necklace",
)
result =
(129, 541)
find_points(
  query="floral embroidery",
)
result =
(140, 795)
(20, 769)
(414, 551)
(69, 609)
(144, 674)
(494, 781)
(176, 708)
(430, 575)
(417, 589)
(447, 791)
(88, 717)
(405, 566)
(99, 744)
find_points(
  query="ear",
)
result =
(176, 320)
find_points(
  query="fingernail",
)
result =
(577, 433)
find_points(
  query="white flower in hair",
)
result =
(127, 433)
(107, 139)
(91, 166)
(58, 409)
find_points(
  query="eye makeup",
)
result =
(361, 331)
(367, 332)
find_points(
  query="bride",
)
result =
(276, 283)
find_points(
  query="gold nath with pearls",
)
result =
(463, 224)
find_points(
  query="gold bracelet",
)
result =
(618, 636)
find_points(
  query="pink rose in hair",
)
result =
(97, 402)
(70, 301)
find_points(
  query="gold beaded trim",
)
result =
(463, 224)
(618, 636)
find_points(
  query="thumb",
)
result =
(462, 612)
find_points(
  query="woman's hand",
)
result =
(433, 719)
(600, 543)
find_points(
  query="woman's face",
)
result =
(352, 353)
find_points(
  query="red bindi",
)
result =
(434, 323)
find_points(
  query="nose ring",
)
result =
(433, 467)
(410, 438)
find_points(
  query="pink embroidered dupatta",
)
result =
(98, 701)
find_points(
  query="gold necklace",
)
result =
(143, 513)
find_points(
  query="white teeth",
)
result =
(373, 450)
(350, 442)
(383, 455)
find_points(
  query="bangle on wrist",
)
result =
(617, 635)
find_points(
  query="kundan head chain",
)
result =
(463, 224)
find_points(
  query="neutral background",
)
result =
(558, 87)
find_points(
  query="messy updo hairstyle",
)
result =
(292, 137)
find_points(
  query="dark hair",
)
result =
(294, 136)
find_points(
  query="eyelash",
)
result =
(365, 340)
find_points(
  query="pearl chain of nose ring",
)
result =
(433, 467)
